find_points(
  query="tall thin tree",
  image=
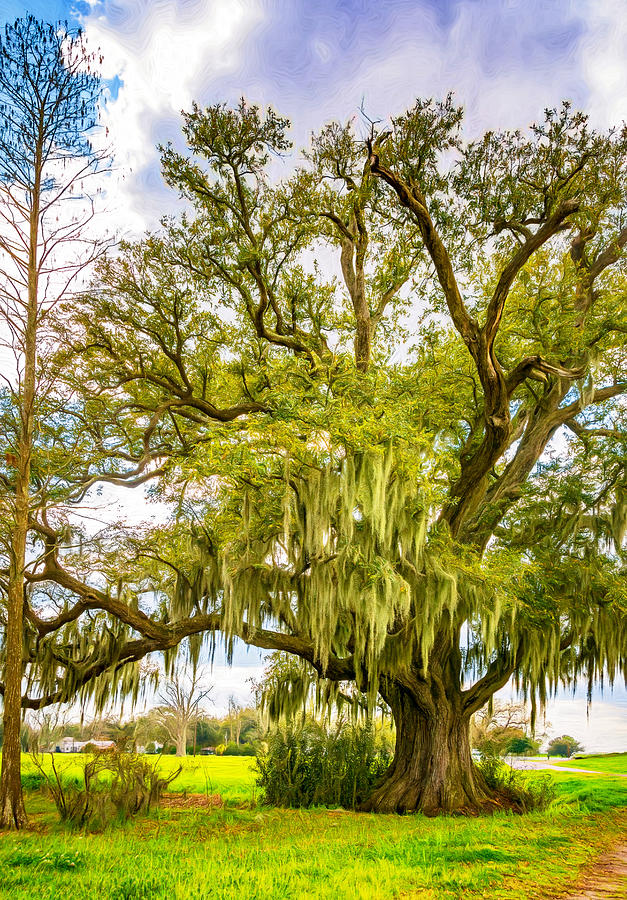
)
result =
(49, 109)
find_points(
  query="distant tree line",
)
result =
(234, 734)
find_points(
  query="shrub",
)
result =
(564, 746)
(521, 791)
(522, 746)
(233, 749)
(306, 765)
(33, 781)
(115, 784)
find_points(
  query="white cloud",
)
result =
(602, 731)
(163, 54)
(601, 727)
(604, 61)
(232, 681)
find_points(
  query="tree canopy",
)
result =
(384, 396)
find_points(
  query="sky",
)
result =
(506, 60)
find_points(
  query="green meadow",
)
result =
(613, 763)
(189, 850)
(232, 777)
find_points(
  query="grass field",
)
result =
(230, 776)
(609, 762)
(260, 853)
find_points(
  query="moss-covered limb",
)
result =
(534, 653)
(82, 661)
(347, 555)
(91, 599)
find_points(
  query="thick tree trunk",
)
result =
(432, 771)
(181, 744)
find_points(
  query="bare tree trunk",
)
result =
(12, 811)
(181, 742)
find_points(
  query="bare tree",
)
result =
(45, 727)
(495, 725)
(48, 101)
(181, 705)
(235, 718)
(503, 715)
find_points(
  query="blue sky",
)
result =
(506, 60)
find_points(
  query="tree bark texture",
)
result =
(12, 811)
(432, 770)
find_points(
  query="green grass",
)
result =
(266, 854)
(615, 763)
(230, 776)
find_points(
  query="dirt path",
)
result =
(606, 879)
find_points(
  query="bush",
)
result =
(33, 781)
(522, 746)
(233, 749)
(116, 785)
(306, 765)
(564, 746)
(521, 791)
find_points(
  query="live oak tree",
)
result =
(48, 95)
(405, 467)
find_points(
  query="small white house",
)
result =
(68, 745)
(71, 745)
